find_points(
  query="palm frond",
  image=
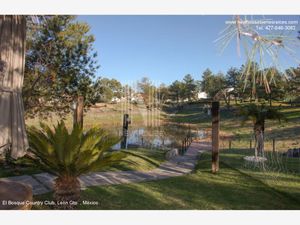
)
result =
(62, 153)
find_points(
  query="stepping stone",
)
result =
(45, 178)
(37, 188)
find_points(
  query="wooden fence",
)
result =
(270, 144)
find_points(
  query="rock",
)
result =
(172, 153)
(254, 159)
(15, 195)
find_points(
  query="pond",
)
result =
(165, 137)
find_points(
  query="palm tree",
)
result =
(68, 155)
(258, 114)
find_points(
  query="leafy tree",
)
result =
(163, 93)
(176, 90)
(128, 92)
(213, 85)
(148, 92)
(219, 88)
(232, 77)
(293, 89)
(268, 84)
(277, 84)
(60, 64)
(189, 87)
(253, 79)
(205, 83)
(68, 155)
(105, 89)
(233, 80)
(258, 115)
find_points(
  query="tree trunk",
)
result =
(270, 99)
(78, 111)
(66, 192)
(215, 135)
(259, 139)
(227, 101)
(12, 63)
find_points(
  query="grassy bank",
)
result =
(234, 187)
(107, 116)
(286, 133)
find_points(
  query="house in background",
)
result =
(202, 95)
(115, 100)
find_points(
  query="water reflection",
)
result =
(169, 136)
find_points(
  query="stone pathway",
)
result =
(43, 182)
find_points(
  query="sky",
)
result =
(164, 48)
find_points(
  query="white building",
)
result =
(115, 100)
(202, 95)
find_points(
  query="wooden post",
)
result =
(274, 147)
(78, 112)
(250, 144)
(126, 122)
(215, 112)
(229, 144)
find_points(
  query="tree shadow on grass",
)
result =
(231, 188)
(227, 190)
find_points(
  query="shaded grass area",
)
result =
(19, 167)
(234, 187)
(17, 171)
(140, 159)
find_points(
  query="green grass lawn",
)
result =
(139, 159)
(234, 187)
(286, 133)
